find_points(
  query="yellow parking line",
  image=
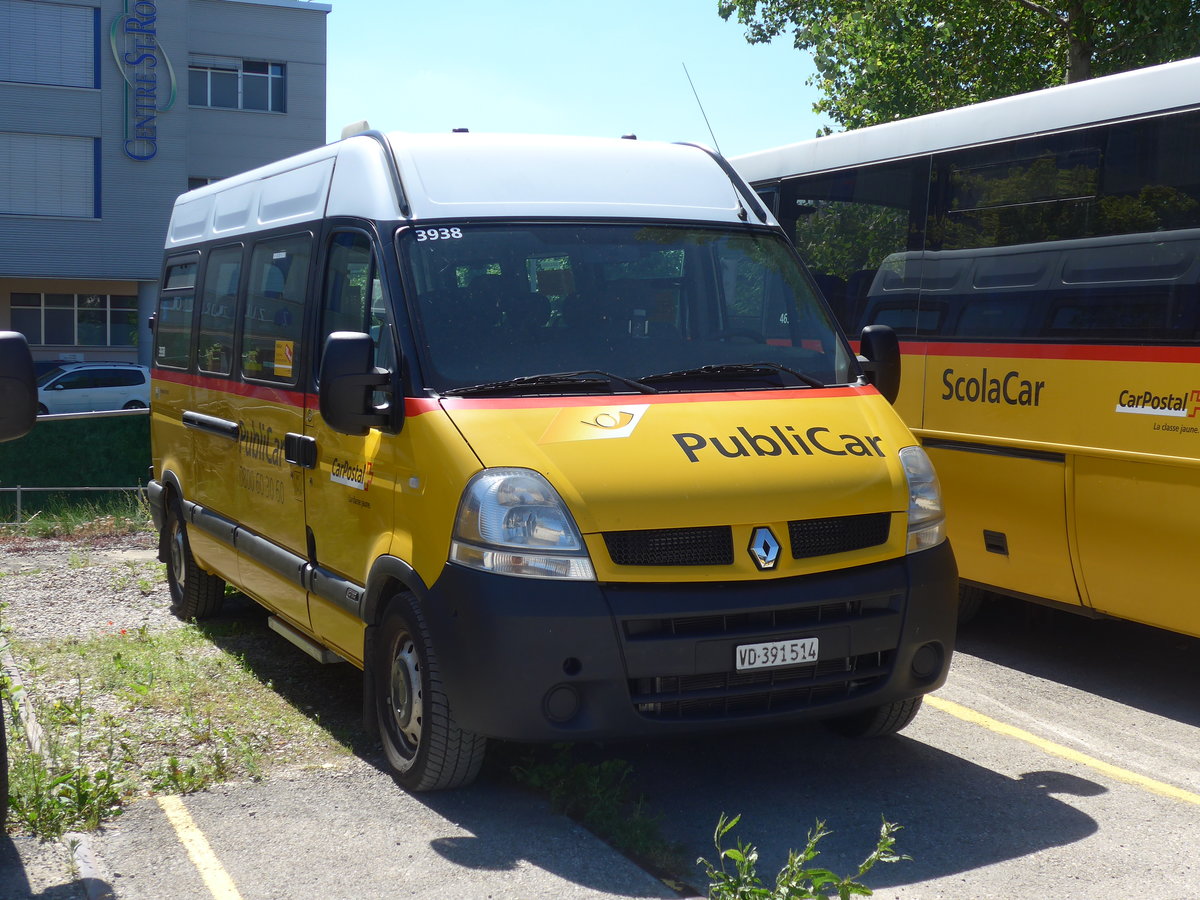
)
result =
(1116, 772)
(216, 879)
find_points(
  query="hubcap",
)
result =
(177, 555)
(404, 693)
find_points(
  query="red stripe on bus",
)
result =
(1097, 352)
(465, 403)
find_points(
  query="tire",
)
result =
(970, 600)
(42, 411)
(887, 719)
(195, 594)
(424, 745)
(134, 404)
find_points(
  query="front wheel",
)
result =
(424, 745)
(880, 720)
(195, 594)
(134, 404)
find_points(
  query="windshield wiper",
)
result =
(586, 379)
(734, 370)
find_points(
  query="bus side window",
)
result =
(222, 275)
(173, 324)
(274, 317)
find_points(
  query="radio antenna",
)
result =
(701, 105)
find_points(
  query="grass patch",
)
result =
(82, 515)
(600, 796)
(140, 712)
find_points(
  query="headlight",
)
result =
(512, 522)
(926, 517)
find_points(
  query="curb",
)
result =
(77, 844)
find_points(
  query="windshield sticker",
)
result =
(586, 423)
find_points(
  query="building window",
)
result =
(48, 175)
(85, 320)
(49, 43)
(237, 84)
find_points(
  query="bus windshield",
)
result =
(678, 308)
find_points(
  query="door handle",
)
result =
(300, 450)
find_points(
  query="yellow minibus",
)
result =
(1039, 258)
(553, 437)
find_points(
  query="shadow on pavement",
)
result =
(508, 825)
(1146, 668)
(956, 816)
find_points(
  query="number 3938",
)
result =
(438, 234)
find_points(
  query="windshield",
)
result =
(687, 308)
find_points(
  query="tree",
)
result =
(879, 60)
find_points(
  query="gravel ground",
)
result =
(77, 587)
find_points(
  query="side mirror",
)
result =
(18, 387)
(348, 378)
(879, 355)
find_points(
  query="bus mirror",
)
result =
(18, 388)
(880, 359)
(348, 378)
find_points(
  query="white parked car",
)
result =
(83, 387)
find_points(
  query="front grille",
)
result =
(725, 624)
(723, 695)
(839, 534)
(713, 545)
(708, 546)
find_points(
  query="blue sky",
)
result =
(585, 67)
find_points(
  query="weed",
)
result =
(796, 880)
(61, 789)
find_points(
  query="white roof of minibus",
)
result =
(1140, 92)
(463, 176)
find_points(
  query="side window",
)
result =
(222, 272)
(274, 318)
(173, 323)
(353, 297)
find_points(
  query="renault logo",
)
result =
(764, 549)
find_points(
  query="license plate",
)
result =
(771, 654)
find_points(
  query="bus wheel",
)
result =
(195, 594)
(425, 747)
(886, 719)
(970, 599)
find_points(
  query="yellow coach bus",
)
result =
(1039, 258)
(553, 437)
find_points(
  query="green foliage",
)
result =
(797, 880)
(80, 515)
(880, 61)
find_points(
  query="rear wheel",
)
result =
(195, 594)
(134, 404)
(880, 720)
(424, 745)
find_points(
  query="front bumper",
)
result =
(525, 659)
